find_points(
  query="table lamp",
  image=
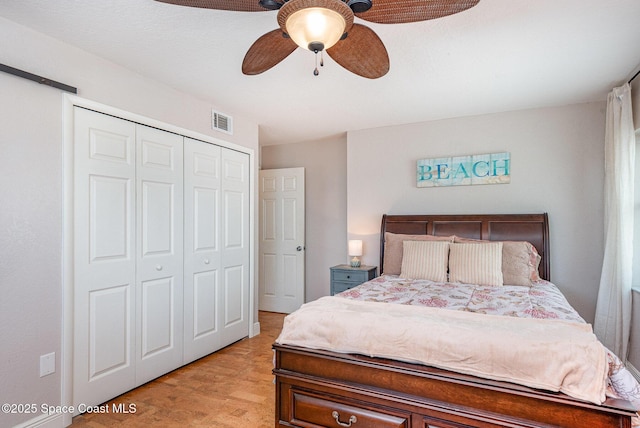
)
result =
(355, 251)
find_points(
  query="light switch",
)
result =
(47, 364)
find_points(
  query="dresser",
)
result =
(344, 277)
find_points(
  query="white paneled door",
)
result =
(159, 277)
(104, 257)
(282, 239)
(201, 249)
(161, 253)
(216, 248)
(234, 262)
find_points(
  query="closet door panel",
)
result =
(202, 206)
(109, 323)
(157, 219)
(235, 230)
(234, 312)
(205, 220)
(235, 251)
(104, 257)
(205, 311)
(158, 315)
(159, 279)
(109, 218)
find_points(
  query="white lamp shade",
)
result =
(315, 24)
(355, 247)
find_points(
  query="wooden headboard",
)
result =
(533, 228)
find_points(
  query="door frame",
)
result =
(69, 102)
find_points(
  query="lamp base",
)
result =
(355, 262)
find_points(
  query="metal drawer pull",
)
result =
(336, 416)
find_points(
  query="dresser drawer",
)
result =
(310, 411)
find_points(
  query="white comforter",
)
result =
(554, 355)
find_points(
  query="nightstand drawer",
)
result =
(353, 276)
(339, 287)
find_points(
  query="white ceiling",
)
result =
(500, 55)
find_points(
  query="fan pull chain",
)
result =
(315, 71)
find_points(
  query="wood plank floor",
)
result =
(230, 388)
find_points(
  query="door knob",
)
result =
(298, 248)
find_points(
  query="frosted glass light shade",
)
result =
(310, 26)
(355, 247)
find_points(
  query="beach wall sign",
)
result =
(493, 168)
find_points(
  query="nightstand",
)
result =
(344, 277)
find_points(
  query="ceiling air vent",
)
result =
(221, 122)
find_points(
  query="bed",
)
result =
(328, 386)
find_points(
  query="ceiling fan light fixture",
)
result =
(315, 24)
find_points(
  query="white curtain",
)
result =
(613, 309)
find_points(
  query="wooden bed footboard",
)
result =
(325, 389)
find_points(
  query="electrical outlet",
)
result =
(47, 364)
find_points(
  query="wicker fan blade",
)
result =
(267, 51)
(235, 5)
(362, 53)
(401, 11)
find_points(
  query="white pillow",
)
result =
(476, 263)
(425, 260)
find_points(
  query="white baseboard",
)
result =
(256, 329)
(43, 421)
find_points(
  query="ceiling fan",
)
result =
(328, 25)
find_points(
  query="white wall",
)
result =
(31, 192)
(325, 164)
(557, 158)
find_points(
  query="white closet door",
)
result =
(159, 278)
(234, 275)
(132, 223)
(202, 292)
(104, 257)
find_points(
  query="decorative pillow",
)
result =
(476, 263)
(520, 261)
(425, 260)
(392, 263)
